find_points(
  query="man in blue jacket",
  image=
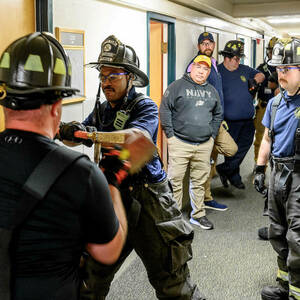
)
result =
(237, 80)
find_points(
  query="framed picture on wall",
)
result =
(73, 42)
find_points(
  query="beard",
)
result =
(207, 52)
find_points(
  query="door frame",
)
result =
(44, 15)
(171, 44)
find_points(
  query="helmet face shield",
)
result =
(35, 68)
(286, 52)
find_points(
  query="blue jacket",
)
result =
(143, 116)
(237, 99)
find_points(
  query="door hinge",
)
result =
(164, 47)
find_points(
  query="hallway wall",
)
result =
(128, 21)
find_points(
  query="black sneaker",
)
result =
(274, 293)
(263, 233)
(203, 222)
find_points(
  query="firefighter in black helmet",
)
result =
(35, 70)
(35, 74)
(157, 232)
(281, 142)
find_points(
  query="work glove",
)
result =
(66, 132)
(259, 179)
(114, 165)
(252, 86)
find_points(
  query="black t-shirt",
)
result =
(77, 210)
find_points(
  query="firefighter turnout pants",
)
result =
(284, 214)
(161, 238)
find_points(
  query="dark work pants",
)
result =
(284, 214)
(242, 132)
(161, 238)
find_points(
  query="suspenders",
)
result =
(271, 133)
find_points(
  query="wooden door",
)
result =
(17, 19)
(156, 69)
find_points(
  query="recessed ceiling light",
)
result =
(280, 20)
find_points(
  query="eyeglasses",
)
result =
(207, 44)
(284, 70)
(112, 77)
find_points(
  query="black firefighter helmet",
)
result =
(233, 48)
(116, 54)
(286, 52)
(34, 70)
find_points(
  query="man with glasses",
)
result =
(157, 230)
(191, 115)
(224, 143)
(281, 144)
(239, 108)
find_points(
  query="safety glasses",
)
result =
(113, 77)
(284, 70)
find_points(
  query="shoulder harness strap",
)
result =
(275, 105)
(43, 178)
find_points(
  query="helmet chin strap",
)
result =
(283, 96)
(129, 86)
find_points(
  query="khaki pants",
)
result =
(259, 129)
(224, 144)
(181, 155)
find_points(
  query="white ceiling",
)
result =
(272, 17)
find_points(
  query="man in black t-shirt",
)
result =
(80, 210)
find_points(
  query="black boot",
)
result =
(223, 177)
(274, 293)
(263, 233)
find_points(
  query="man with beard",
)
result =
(239, 108)
(281, 145)
(224, 143)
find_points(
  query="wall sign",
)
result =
(73, 42)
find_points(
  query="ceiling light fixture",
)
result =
(282, 20)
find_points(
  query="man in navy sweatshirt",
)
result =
(224, 143)
(191, 115)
